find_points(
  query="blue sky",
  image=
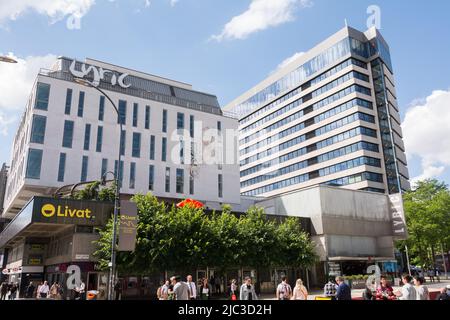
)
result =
(175, 39)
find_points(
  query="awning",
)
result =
(341, 258)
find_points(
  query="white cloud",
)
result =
(173, 3)
(260, 15)
(287, 61)
(54, 9)
(426, 130)
(16, 82)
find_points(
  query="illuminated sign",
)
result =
(98, 75)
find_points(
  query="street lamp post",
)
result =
(112, 264)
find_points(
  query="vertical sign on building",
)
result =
(398, 217)
(127, 226)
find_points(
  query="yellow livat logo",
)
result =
(49, 210)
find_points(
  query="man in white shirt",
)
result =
(43, 290)
(192, 288)
(408, 291)
(284, 290)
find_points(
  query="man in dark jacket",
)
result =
(30, 290)
(343, 291)
(445, 294)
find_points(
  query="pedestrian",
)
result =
(233, 292)
(54, 291)
(431, 274)
(118, 289)
(343, 291)
(180, 289)
(247, 291)
(30, 290)
(212, 282)
(329, 290)
(81, 291)
(408, 291)
(43, 290)
(299, 292)
(192, 288)
(204, 290)
(368, 294)
(13, 291)
(163, 289)
(384, 290)
(284, 290)
(217, 283)
(444, 294)
(422, 292)
(3, 290)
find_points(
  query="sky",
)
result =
(225, 47)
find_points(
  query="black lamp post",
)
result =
(112, 264)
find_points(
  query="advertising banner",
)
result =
(127, 226)
(398, 217)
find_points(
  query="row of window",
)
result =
(34, 164)
(315, 146)
(309, 135)
(322, 172)
(338, 51)
(369, 176)
(325, 115)
(362, 145)
(304, 99)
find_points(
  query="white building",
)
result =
(329, 117)
(70, 133)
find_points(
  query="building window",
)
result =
(123, 137)
(164, 149)
(135, 114)
(34, 164)
(68, 134)
(167, 180)
(219, 127)
(68, 101)
(191, 184)
(180, 181)
(152, 147)
(220, 185)
(87, 136)
(38, 129)
(181, 151)
(151, 177)
(164, 121)
(98, 147)
(62, 167)
(122, 112)
(101, 109)
(81, 104)
(120, 174)
(132, 175)
(84, 169)
(180, 121)
(104, 167)
(191, 126)
(42, 96)
(136, 151)
(147, 117)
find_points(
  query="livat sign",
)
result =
(99, 74)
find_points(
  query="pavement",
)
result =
(357, 293)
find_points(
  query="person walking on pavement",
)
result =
(30, 290)
(329, 290)
(233, 290)
(299, 292)
(247, 291)
(43, 290)
(3, 290)
(444, 295)
(162, 292)
(192, 288)
(408, 291)
(422, 291)
(284, 290)
(118, 290)
(180, 289)
(343, 291)
(204, 290)
(13, 291)
(54, 291)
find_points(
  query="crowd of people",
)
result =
(412, 289)
(41, 291)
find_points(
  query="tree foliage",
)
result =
(187, 238)
(427, 211)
